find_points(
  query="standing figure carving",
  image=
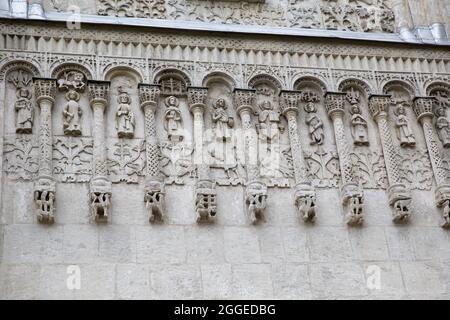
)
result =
(315, 124)
(443, 126)
(125, 119)
(24, 110)
(72, 114)
(404, 130)
(173, 122)
(222, 122)
(359, 124)
(268, 122)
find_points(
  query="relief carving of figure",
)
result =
(316, 132)
(24, 110)
(268, 122)
(222, 121)
(125, 119)
(72, 114)
(404, 130)
(359, 127)
(443, 126)
(173, 122)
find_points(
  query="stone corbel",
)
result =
(352, 195)
(205, 191)
(399, 195)
(423, 108)
(154, 183)
(255, 195)
(305, 195)
(45, 186)
(100, 187)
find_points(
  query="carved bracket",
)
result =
(305, 201)
(400, 200)
(255, 201)
(353, 198)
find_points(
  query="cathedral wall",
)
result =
(235, 254)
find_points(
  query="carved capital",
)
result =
(244, 100)
(100, 199)
(44, 89)
(289, 101)
(255, 201)
(98, 92)
(423, 107)
(352, 197)
(149, 95)
(379, 105)
(305, 201)
(44, 198)
(335, 103)
(197, 98)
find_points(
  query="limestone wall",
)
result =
(378, 189)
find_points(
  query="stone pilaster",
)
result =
(205, 192)
(305, 196)
(352, 194)
(423, 108)
(399, 194)
(154, 183)
(256, 191)
(45, 187)
(100, 186)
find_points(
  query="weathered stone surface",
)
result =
(225, 165)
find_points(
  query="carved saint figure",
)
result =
(446, 214)
(405, 133)
(222, 121)
(443, 126)
(24, 110)
(268, 122)
(125, 120)
(173, 122)
(316, 132)
(72, 114)
(359, 127)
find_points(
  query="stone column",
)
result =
(423, 108)
(45, 186)
(351, 193)
(205, 192)
(399, 194)
(100, 186)
(256, 191)
(154, 182)
(305, 196)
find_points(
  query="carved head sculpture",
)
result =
(310, 107)
(73, 95)
(266, 105)
(440, 111)
(355, 109)
(220, 103)
(123, 97)
(400, 110)
(172, 101)
(24, 93)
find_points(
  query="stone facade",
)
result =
(161, 164)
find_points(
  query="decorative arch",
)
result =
(174, 73)
(17, 65)
(118, 70)
(59, 70)
(355, 82)
(219, 76)
(265, 79)
(437, 86)
(399, 84)
(313, 81)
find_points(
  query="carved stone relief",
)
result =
(21, 158)
(72, 159)
(126, 160)
(125, 118)
(23, 106)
